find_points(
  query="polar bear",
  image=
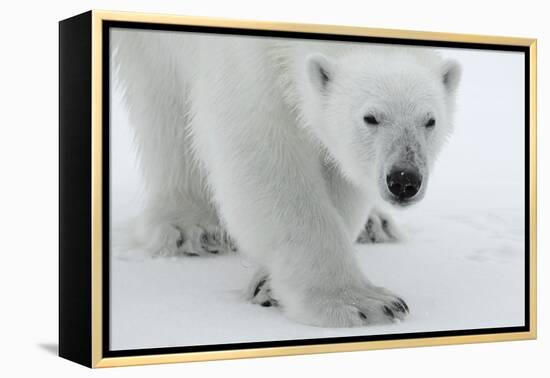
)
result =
(280, 147)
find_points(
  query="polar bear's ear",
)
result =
(320, 70)
(451, 73)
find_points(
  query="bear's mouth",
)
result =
(400, 202)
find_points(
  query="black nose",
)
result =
(404, 183)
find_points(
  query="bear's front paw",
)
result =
(351, 307)
(259, 290)
(380, 228)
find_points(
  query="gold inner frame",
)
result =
(97, 196)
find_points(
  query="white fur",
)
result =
(242, 133)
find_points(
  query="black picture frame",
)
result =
(84, 46)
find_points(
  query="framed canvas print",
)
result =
(235, 189)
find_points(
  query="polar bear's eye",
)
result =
(370, 119)
(430, 123)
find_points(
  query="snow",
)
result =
(461, 266)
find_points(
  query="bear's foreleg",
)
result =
(272, 195)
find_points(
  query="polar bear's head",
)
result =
(383, 114)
